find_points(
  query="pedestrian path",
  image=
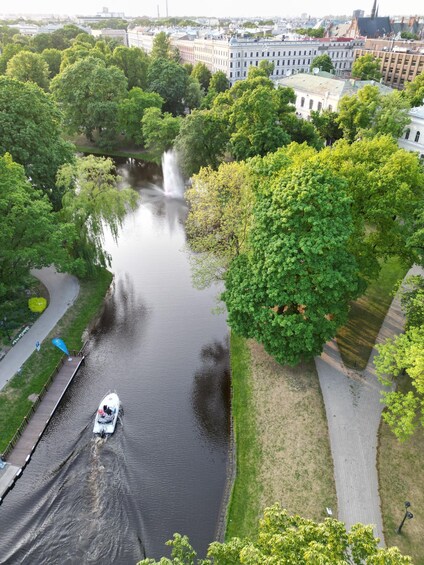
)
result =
(353, 407)
(63, 290)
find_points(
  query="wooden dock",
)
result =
(26, 439)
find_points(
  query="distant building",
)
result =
(234, 56)
(322, 91)
(101, 16)
(401, 61)
(119, 35)
(358, 14)
(413, 138)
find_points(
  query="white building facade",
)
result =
(234, 56)
(413, 138)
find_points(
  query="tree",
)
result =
(9, 51)
(30, 130)
(323, 63)
(387, 189)
(367, 67)
(302, 131)
(327, 126)
(291, 291)
(159, 131)
(161, 48)
(202, 141)
(131, 111)
(265, 69)
(89, 94)
(404, 410)
(194, 94)
(369, 113)
(202, 74)
(92, 201)
(30, 234)
(412, 301)
(53, 58)
(287, 540)
(133, 62)
(414, 91)
(219, 82)
(170, 80)
(29, 67)
(41, 41)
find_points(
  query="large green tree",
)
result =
(291, 290)
(219, 82)
(161, 48)
(290, 540)
(53, 58)
(367, 67)
(30, 130)
(131, 111)
(134, 63)
(89, 94)
(30, 235)
(323, 63)
(91, 202)
(327, 126)
(29, 67)
(202, 74)
(159, 131)
(170, 80)
(414, 91)
(202, 141)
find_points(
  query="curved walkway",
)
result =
(63, 290)
(353, 407)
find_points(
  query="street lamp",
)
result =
(3, 325)
(408, 515)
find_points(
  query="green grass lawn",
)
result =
(244, 504)
(14, 401)
(401, 475)
(357, 338)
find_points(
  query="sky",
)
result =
(215, 8)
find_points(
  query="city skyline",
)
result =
(219, 8)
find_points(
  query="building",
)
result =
(104, 15)
(119, 35)
(413, 138)
(234, 56)
(323, 91)
(401, 61)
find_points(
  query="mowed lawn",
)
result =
(283, 450)
(357, 338)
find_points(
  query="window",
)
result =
(276, 72)
(311, 104)
(417, 137)
(319, 106)
(289, 53)
(330, 108)
(231, 74)
(408, 131)
(302, 102)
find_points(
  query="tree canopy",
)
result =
(367, 67)
(30, 130)
(323, 63)
(131, 111)
(290, 540)
(290, 292)
(414, 91)
(170, 81)
(159, 131)
(203, 75)
(134, 63)
(29, 67)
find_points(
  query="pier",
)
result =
(20, 449)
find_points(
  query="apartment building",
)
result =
(234, 56)
(401, 61)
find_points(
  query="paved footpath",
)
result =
(353, 407)
(63, 290)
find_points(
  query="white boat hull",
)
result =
(100, 427)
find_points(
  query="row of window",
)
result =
(311, 104)
(417, 135)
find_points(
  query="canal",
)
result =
(161, 347)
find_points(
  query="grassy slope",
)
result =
(283, 452)
(14, 402)
(356, 339)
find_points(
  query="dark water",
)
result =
(85, 500)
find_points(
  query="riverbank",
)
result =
(283, 451)
(18, 396)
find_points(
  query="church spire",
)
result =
(374, 9)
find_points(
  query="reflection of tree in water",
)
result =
(123, 311)
(211, 393)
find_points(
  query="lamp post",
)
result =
(408, 515)
(3, 324)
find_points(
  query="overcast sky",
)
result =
(221, 8)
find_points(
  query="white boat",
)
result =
(107, 415)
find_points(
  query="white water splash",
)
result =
(173, 183)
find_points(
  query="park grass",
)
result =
(357, 338)
(282, 443)
(401, 476)
(14, 398)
